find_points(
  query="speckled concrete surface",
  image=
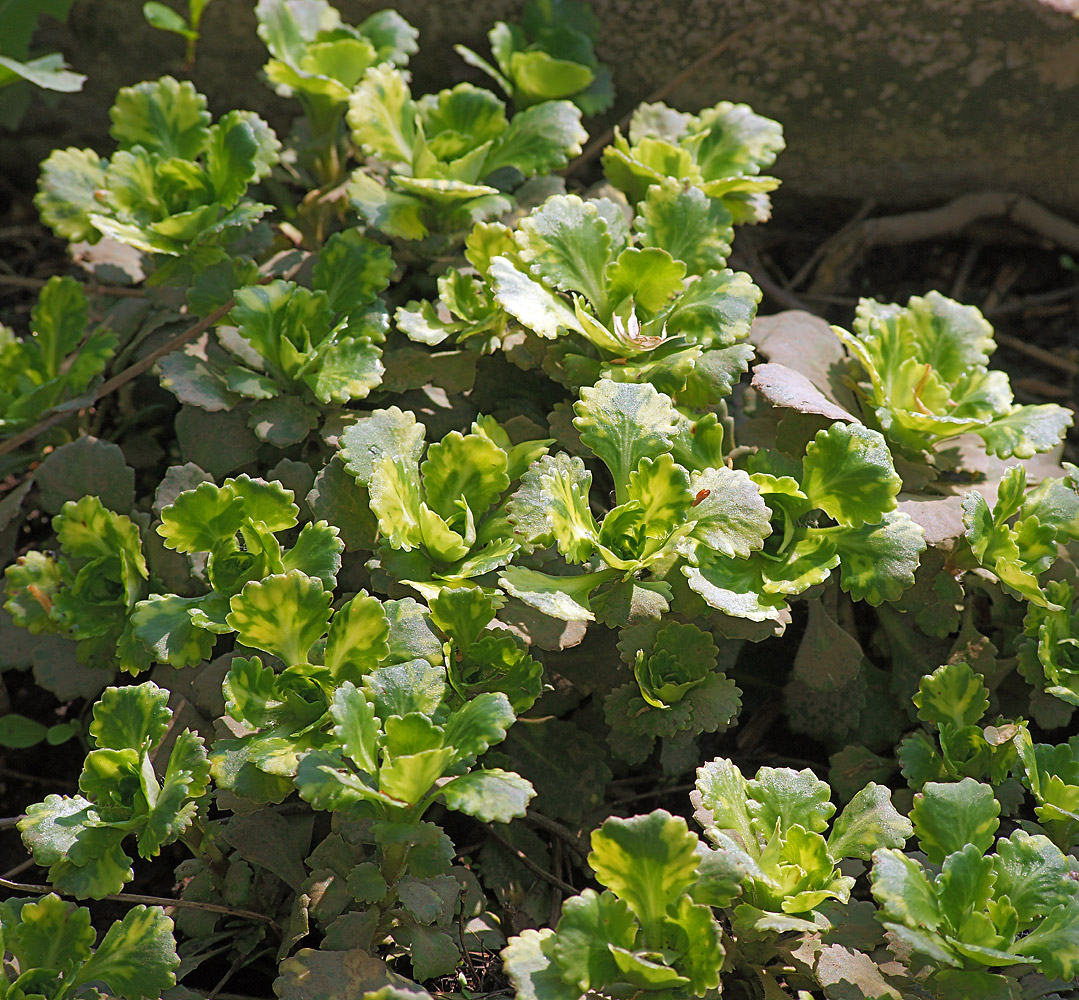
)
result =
(903, 100)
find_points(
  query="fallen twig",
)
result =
(114, 383)
(134, 897)
(17, 281)
(531, 865)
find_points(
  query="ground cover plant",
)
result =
(413, 491)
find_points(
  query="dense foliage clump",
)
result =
(444, 520)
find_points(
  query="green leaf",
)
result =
(164, 626)
(954, 695)
(382, 115)
(948, 816)
(623, 423)
(66, 198)
(136, 958)
(48, 72)
(230, 155)
(352, 269)
(479, 724)
(867, 822)
(411, 634)
(562, 597)
(385, 432)
(589, 923)
(283, 322)
(412, 686)
(1055, 941)
(166, 19)
(410, 777)
(848, 473)
(877, 561)
(730, 516)
(552, 504)
(1026, 431)
(736, 587)
(390, 212)
(18, 732)
(901, 888)
(393, 37)
(463, 613)
(719, 878)
(186, 779)
(649, 277)
(162, 116)
(464, 467)
(716, 310)
(282, 421)
(198, 519)
(491, 795)
(283, 614)
(686, 223)
(647, 861)
(1032, 873)
(662, 489)
(539, 140)
(356, 641)
(136, 716)
(789, 797)
(357, 727)
(47, 933)
(268, 504)
(529, 301)
(317, 553)
(434, 954)
(566, 242)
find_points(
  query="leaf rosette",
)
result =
(721, 151)
(645, 932)
(286, 712)
(318, 59)
(57, 363)
(548, 56)
(175, 182)
(80, 837)
(970, 911)
(662, 511)
(637, 317)
(51, 942)
(294, 352)
(847, 477)
(678, 689)
(88, 591)
(953, 701)
(773, 828)
(235, 527)
(450, 157)
(929, 380)
(442, 520)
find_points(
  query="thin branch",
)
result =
(560, 831)
(821, 251)
(10, 821)
(132, 897)
(19, 868)
(114, 383)
(531, 865)
(1039, 353)
(912, 227)
(596, 146)
(17, 281)
(751, 263)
